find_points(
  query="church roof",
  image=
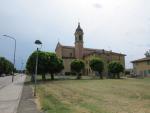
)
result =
(93, 51)
(63, 46)
(69, 47)
(100, 51)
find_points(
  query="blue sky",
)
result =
(117, 25)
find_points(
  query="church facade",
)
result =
(69, 53)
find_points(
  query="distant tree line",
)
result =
(6, 67)
(49, 63)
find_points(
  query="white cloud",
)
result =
(119, 24)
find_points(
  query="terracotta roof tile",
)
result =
(97, 51)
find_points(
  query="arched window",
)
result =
(80, 37)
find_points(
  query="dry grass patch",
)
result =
(95, 96)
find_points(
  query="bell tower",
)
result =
(79, 42)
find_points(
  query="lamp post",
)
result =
(14, 54)
(37, 42)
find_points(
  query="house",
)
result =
(141, 67)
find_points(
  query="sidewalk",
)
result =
(27, 103)
(10, 95)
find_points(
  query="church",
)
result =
(69, 53)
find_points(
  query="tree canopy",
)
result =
(55, 65)
(96, 64)
(6, 67)
(77, 66)
(115, 68)
(47, 63)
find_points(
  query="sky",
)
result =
(122, 26)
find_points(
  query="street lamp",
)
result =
(37, 42)
(14, 54)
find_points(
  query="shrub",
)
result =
(115, 68)
(97, 65)
(77, 66)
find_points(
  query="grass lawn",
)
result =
(95, 96)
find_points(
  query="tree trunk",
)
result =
(118, 76)
(114, 75)
(43, 77)
(100, 75)
(78, 76)
(52, 76)
(32, 78)
(110, 75)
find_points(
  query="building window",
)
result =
(80, 38)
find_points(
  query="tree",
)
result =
(115, 68)
(47, 63)
(55, 65)
(60, 65)
(42, 64)
(97, 65)
(6, 67)
(77, 66)
(147, 54)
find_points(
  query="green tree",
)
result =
(47, 63)
(77, 66)
(6, 67)
(97, 65)
(55, 65)
(115, 68)
(60, 65)
(42, 64)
